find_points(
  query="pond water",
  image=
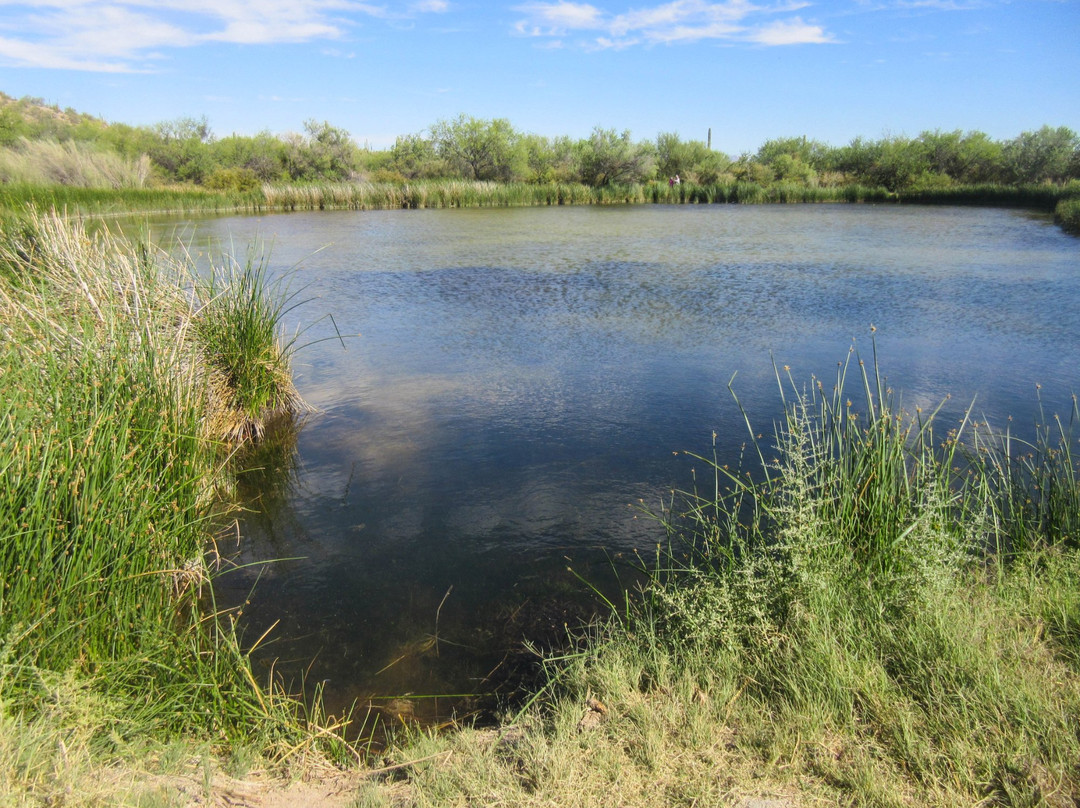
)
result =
(513, 381)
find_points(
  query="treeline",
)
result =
(44, 144)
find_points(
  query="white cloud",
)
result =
(790, 32)
(558, 18)
(942, 5)
(121, 35)
(430, 6)
(671, 22)
(18, 52)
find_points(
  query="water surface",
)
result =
(516, 379)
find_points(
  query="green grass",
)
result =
(236, 320)
(872, 610)
(881, 587)
(1032, 197)
(1067, 214)
(113, 454)
(72, 200)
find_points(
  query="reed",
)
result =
(462, 193)
(112, 458)
(74, 200)
(424, 194)
(237, 317)
(1035, 197)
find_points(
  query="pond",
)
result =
(514, 383)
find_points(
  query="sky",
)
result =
(748, 70)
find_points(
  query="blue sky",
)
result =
(748, 69)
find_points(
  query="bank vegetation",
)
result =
(73, 161)
(130, 379)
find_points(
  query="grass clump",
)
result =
(247, 360)
(1067, 214)
(112, 454)
(878, 588)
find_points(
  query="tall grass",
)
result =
(112, 455)
(1067, 214)
(845, 581)
(16, 195)
(74, 200)
(1037, 197)
(424, 194)
(247, 360)
(461, 193)
(46, 162)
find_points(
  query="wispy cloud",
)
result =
(130, 35)
(671, 22)
(430, 6)
(790, 32)
(942, 5)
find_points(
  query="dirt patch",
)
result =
(326, 791)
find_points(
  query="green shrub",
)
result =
(1067, 214)
(234, 180)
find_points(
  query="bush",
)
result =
(239, 180)
(1067, 214)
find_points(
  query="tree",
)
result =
(480, 149)
(549, 159)
(1041, 156)
(184, 128)
(181, 149)
(900, 163)
(857, 158)
(980, 159)
(413, 157)
(324, 152)
(261, 154)
(806, 151)
(607, 157)
(331, 152)
(795, 158)
(968, 158)
(691, 159)
(748, 169)
(11, 125)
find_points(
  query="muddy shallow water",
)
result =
(513, 381)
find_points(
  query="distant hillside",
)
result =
(35, 119)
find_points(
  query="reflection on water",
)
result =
(516, 378)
